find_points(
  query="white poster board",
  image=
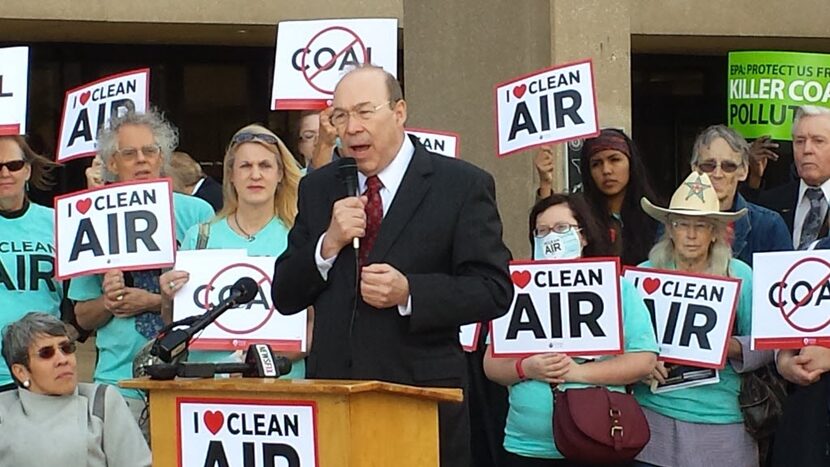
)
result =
(547, 106)
(445, 143)
(14, 87)
(312, 56)
(791, 299)
(212, 273)
(468, 335)
(88, 108)
(214, 431)
(692, 314)
(571, 307)
(127, 226)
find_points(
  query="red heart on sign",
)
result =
(519, 91)
(83, 205)
(85, 97)
(650, 285)
(214, 421)
(520, 278)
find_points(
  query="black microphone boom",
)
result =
(175, 342)
(347, 169)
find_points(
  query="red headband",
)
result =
(606, 140)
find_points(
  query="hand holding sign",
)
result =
(544, 162)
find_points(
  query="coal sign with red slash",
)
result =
(791, 300)
(312, 56)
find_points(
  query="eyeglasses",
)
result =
(308, 135)
(687, 226)
(150, 150)
(726, 166)
(13, 166)
(66, 348)
(560, 228)
(247, 137)
(363, 112)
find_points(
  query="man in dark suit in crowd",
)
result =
(803, 203)
(431, 256)
(188, 178)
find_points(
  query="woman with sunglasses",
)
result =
(561, 227)
(701, 425)
(613, 181)
(260, 195)
(723, 154)
(27, 254)
(51, 419)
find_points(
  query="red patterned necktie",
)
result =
(374, 216)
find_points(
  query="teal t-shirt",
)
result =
(189, 211)
(27, 264)
(717, 403)
(118, 341)
(529, 428)
(272, 240)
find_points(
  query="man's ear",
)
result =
(400, 112)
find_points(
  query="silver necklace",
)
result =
(248, 236)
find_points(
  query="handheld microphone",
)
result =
(347, 168)
(169, 346)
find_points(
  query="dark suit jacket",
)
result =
(211, 191)
(782, 199)
(443, 232)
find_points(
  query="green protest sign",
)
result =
(766, 88)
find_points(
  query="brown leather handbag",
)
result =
(598, 426)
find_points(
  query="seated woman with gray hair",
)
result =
(51, 419)
(701, 425)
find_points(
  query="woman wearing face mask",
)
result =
(701, 425)
(613, 179)
(561, 227)
(51, 419)
(260, 203)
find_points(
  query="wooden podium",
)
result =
(358, 423)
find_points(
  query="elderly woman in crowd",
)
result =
(701, 425)
(614, 179)
(51, 419)
(260, 196)
(125, 307)
(27, 254)
(567, 221)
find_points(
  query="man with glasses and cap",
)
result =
(723, 154)
(125, 307)
(429, 256)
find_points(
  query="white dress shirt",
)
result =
(391, 177)
(802, 207)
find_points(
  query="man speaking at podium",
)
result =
(429, 255)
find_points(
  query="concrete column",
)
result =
(454, 52)
(600, 30)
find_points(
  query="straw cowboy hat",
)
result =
(694, 197)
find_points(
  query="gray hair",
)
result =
(21, 334)
(808, 111)
(165, 134)
(661, 255)
(734, 139)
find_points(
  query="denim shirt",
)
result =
(760, 230)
